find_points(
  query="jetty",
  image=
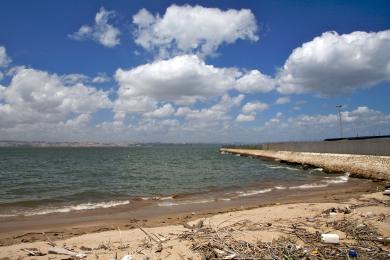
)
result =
(367, 158)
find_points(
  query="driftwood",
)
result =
(63, 251)
(33, 251)
(156, 239)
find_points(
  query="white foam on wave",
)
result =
(280, 187)
(309, 186)
(83, 206)
(157, 198)
(281, 167)
(186, 202)
(339, 179)
(7, 215)
(317, 170)
(252, 192)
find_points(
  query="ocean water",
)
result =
(45, 180)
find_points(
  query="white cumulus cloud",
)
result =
(254, 107)
(102, 32)
(245, 118)
(255, 81)
(35, 96)
(163, 111)
(193, 29)
(333, 64)
(282, 100)
(4, 59)
(182, 79)
(216, 115)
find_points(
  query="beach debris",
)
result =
(311, 219)
(386, 191)
(221, 242)
(369, 214)
(49, 241)
(85, 248)
(33, 251)
(352, 253)
(330, 238)
(63, 251)
(127, 257)
(154, 238)
(384, 240)
(198, 225)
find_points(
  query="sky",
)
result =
(193, 71)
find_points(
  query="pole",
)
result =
(340, 122)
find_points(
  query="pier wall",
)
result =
(363, 147)
(364, 166)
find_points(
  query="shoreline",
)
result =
(361, 166)
(64, 225)
(250, 224)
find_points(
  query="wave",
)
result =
(7, 215)
(253, 192)
(309, 186)
(280, 187)
(157, 198)
(317, 170)
(82, 206)
(187, 202)
(281, 167)
(339, 179)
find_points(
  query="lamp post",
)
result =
(340, 123)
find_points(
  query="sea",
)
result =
(38, 181)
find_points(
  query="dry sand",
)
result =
(259, 224)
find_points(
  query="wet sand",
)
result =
(22, 229)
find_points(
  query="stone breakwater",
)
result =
(363, 166)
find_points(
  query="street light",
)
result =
(341, 126)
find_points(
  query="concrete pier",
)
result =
(363, 166)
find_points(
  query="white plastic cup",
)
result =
(330, 238)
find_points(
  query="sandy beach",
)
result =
(114, 233)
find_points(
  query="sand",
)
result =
(260, 224)
(364, 166)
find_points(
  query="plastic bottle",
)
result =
(330, 238)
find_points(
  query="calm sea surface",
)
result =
(33, 180)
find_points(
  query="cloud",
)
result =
(255, 81)
(102, 32)
(214, 116)
(192, 29)
(360, 121)
(182, 79)
(4, 59)
(163, 111)
(245, 118)
(35, 96)
(101, 78)
(333, 64)
(254, 107)
(282, 100)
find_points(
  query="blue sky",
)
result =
(193, 71)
